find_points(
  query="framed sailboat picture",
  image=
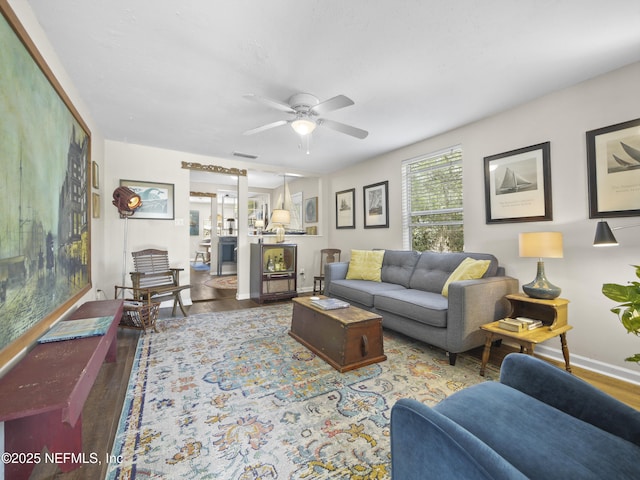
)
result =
(518, 185)
(345, 209)
(376, 205)
(613, 161)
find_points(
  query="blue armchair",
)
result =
(538, 422)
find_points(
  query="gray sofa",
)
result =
(409, 298)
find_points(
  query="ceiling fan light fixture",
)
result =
(303, 126)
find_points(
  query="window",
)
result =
(432, 202)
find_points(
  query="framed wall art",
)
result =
(345, 208)
(95, 175)
(613, 161)
(194, 223)
(518, 185)
(95, 205)
(297, 222)
(311, 210)
(376, 205)
(45, 246)
(157, 199)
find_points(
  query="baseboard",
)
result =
(620, 373)
(243, 296)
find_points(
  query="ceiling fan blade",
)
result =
(342, 128)
(284, 107)
(265, 127)
(339, 101)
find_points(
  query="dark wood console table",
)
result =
(42, 397)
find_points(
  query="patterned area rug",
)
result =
(229, 282)
(232, 396)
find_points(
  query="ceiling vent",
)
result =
(245, 155)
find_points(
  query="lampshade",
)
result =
(604, 236)
(303, 126)
(259, 223)
(283, 217)
(541, 244)
(126, 201)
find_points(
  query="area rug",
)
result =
(202, 267)
(232, 396)
(228, 282)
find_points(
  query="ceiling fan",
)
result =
(306, 110)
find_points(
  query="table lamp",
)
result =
(541, 244)
(279, 218)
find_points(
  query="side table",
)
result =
(552, 313)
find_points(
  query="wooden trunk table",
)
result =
(345, 338)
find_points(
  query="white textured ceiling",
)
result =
(172, 74)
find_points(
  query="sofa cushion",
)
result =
(398, 266)
(365, 265)
(469, 269)
(434, 268)
(360, 291)
(510, 422)
(423, 307)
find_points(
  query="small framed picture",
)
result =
(376, 205)
(311, 210)
(95, 175)
(613, 161)
(95, 205)
(345, 209)
(518, 185)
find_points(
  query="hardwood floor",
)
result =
(102, 409)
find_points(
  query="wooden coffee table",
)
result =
(345, 338)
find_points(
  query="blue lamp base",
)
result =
(541, 287)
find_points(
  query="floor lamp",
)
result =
(127, 202)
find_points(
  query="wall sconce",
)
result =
(541, 244)
(604, 236)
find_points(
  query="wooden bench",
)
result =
(42, 397)
(153, 277)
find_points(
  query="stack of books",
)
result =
(519, 324)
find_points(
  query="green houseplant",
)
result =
(629, 309)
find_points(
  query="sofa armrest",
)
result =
(334, 271)
(473, 303)
(426, 444)
(567, 393)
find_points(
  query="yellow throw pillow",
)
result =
(469, 269)
(365, 265)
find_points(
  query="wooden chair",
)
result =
(153, 277)
(327, 255)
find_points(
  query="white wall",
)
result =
(597, 341)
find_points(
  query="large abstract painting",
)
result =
(44, 194)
